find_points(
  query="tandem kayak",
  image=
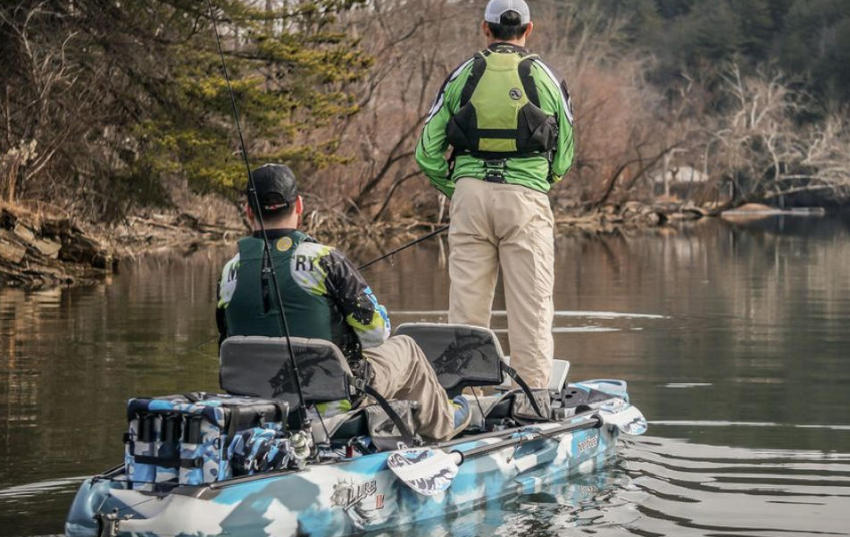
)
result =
(355, 490)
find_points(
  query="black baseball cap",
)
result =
(276, 188)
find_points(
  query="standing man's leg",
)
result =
(527, 254)
(473, 254)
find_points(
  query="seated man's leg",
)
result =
(401, 371)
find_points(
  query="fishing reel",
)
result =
(301, 448)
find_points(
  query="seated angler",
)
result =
(325, 297)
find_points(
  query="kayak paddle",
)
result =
(430, 471)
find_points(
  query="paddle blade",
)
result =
(624, 416)
(427, 471)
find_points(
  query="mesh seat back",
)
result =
(461, 355)
(260, 366)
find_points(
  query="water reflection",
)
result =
(71, 357)
(729, 335)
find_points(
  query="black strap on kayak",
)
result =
(522, 384)
(235, 420)
(282, 409)
(406, 435)
(172, 462)
(190, 464)
(169, 462)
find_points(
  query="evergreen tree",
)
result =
(131, 94)
(816, 46)
(807, 38)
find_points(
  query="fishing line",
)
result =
(404, 247)
(195, 348)
(268, 265)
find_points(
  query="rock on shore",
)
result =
(632, 214)
(38, 250)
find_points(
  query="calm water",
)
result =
(733, 339)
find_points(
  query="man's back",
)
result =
(324, 296)
(533, 169)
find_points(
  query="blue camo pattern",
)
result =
(259, 449)
(210, 450)
(343, 498)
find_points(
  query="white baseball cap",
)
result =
(497, 8)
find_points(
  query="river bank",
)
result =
(40, 249)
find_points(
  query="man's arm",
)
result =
(432, 145)
(331, 274)
(221, 324)
(224, 292)
(555, 97)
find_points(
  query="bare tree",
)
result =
(32, 108)
(765, 151)
(415, 45)
(615, 108)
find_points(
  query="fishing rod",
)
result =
(268, 265)
(403, 247)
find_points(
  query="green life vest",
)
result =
(253, 310)
(499, 114)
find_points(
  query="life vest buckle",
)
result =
(494, 170)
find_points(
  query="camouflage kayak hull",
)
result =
(340, 498)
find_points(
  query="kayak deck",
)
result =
(347, 496)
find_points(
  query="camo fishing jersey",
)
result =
(324, 296)
(507, 118)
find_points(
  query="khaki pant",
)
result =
(401, 371)
(510, 227)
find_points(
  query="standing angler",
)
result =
(509, 123)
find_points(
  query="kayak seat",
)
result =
(260, 366)
(356, 425)
(370, 421)
(461, 355)
(489, 411)
(501, 408)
